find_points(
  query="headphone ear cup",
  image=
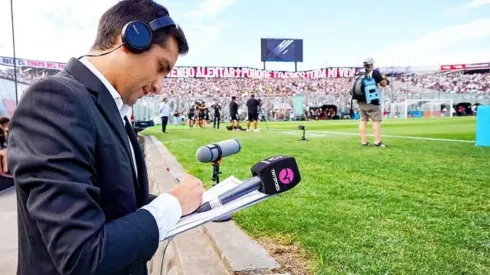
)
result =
(136, 36)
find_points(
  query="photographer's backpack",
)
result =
(357, 91)
(365, 88)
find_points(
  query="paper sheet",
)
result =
(198, 219)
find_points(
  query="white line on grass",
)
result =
(296, 133)
(245, 137)
(389, 136)
(178, 140)
(191, 139)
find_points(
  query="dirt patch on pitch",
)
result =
(288, 254)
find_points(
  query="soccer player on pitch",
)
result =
(234, 113)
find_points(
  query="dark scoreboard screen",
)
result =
(281, 50)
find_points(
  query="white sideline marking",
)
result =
(310, 135)
(178, 140)
(389, 136)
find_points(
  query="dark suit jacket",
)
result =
(77, 192)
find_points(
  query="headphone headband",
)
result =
(137, 36)
(161, 22)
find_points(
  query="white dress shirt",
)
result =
(124, 110)
(164, 110)
(166, 208)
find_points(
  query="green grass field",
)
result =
(415, 207)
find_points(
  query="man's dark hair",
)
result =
(113, 20)
(233, 97)
(4, 120)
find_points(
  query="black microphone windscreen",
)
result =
(216, 151)
(278, 174)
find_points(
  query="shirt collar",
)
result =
(124, 110)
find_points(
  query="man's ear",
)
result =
(124, 49)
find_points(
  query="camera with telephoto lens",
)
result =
(259, 107)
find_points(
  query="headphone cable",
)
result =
(163, 254)
(102, 54)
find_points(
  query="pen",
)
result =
(203, 208)
(173, 175)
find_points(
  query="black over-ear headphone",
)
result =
(137, 36)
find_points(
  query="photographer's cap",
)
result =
(369, 61)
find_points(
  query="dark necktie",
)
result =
(136, 149)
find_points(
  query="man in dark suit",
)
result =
(80, 176)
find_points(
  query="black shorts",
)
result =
(234, 117)
(190, 116)
(253, 116)
(201, 116)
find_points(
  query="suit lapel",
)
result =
(105, 101)
(140, 164)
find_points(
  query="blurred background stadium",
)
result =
(451, 90)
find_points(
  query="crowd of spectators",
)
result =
(4, 128)
(450, 82)
(183, 92)
(454, 82)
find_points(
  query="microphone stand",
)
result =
(265, 119)
(216, 171)
(303, 138)
(215, 178)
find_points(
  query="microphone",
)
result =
(271, 176)
(215, 152)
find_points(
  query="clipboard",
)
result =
(197, 219)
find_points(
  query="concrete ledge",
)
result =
(227, 240)
(8, 231)
(237, 250)
(197, 255)
(161, 263)
(189, 253)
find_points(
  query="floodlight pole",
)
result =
(13, 46)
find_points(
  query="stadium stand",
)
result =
(463, 84)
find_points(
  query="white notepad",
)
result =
(197, 219)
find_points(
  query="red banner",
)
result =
(239, 72)
(211, 72)
(458, 67)
(9, 61)
(45, 65)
